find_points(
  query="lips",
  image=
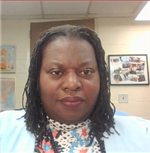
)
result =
(72, 102)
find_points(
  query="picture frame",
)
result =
(8, 59)
(7, 96)
(128, 69)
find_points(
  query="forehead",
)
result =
(69, 47)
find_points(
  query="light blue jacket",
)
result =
(134, 135)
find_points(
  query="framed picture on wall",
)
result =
(8, 59)
(7, 90)
(128, 69)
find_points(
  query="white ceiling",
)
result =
(69, 9)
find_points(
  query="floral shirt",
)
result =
(70, 139)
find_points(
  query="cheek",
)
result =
(92, 91)
(45, 86)
(48, 89)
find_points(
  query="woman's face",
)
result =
(69, 80)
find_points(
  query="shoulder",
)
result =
(11, 117)
(13, 132)
(13, 113)
(11, 121)
(131, 123)
(132, 130)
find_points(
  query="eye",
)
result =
(86, 72)
(56, 73)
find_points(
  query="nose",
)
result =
(71, 82)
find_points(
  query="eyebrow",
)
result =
(81, 65)
(86, 63)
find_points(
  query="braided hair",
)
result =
(102, 119)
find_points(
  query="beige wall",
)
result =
(125, 36)
(118, 36)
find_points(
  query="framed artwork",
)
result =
(128, 69)
(8, 59)
(7, 90)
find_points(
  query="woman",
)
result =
(68, 106)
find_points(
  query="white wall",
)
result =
(118, 36)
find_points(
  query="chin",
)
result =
(73, 120)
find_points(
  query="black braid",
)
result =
(36, 120)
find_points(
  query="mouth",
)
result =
(72, 102)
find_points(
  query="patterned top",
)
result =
(70, 139)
